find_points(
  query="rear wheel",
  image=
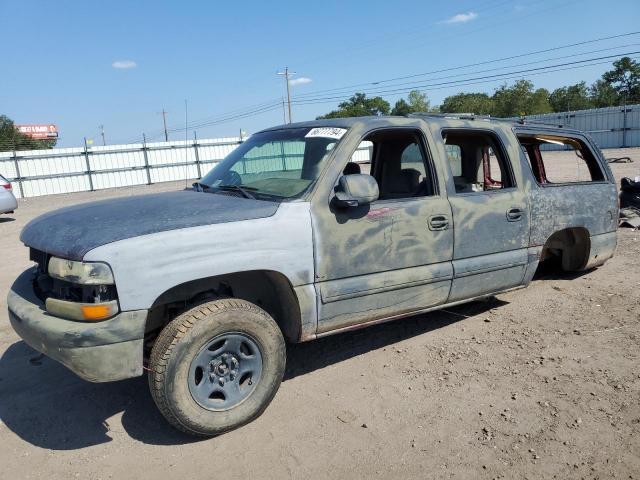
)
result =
(217, 366)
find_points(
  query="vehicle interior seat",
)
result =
(351, 168)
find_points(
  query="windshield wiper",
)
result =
(200, 187)
(238, 188)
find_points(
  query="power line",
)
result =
(496, 76)
(174, 128)
(229, 118)
(343, 89)
(347, 57)
(314, 97)
(462, 83)
(460, 67)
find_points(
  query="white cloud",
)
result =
(124, 64)
(462, 18)
(300, 81)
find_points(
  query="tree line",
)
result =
(11, 139)
(620, 85)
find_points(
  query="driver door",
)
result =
(393, 256)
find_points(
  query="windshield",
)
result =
(279, 164)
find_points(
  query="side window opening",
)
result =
(478, 164)
(454, 156)
(399, 164)
(556, 159)
(360, 161)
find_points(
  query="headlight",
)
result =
(93, 273)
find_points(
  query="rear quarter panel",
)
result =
(589, 205)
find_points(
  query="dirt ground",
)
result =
(539, 383)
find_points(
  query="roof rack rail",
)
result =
(525, 121)
(489, 118)
(460, 116)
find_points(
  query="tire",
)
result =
(187, 362)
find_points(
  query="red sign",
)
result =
(41, 132)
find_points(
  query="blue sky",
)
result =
(118, 63)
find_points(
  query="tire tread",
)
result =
(167, 340)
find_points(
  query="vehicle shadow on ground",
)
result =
(7, 219)
(551, 270)
(48, 406)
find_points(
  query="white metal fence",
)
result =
(611, 127)
(66, 170)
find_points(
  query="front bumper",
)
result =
(98, 352)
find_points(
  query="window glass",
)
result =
(477, 163)
(412, 159)
(276, 164)
(454, 155)
(399, 164)
(363, 153)
(557, 159)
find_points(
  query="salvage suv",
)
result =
(291, 238)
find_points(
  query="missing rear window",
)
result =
(556, 159)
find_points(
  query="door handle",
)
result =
(514, 214)
(438, 222)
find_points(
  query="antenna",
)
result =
(164, 124)
(186, 140)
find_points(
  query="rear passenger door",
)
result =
(490, 213)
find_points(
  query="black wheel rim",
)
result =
(225, 371)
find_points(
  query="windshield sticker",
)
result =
(326, 132)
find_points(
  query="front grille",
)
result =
(40, 257)
(46, 286)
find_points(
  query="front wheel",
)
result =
(217, 366)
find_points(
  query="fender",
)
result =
(146, 266)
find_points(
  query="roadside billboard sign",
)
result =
(40, 132)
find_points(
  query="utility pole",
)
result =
(286, 74)
(284, 112)
(164, 122)
(101, 127)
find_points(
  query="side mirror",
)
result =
(356, 190)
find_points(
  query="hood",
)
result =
(72, 231)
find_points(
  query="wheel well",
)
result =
(571, 246)
(270, 290)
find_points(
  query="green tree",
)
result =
(625, 78)
(359, 106)
(573, 97)
(520, 99)
(603, 94)
(401, 108)
(416, 102)
(11, 139)
(478, 103)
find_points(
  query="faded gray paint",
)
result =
(144, 267)
(352, 267)
(100, 352)
(83, 227)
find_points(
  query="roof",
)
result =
(346, 122)
(443, 119)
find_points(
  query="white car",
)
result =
(8, 202)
